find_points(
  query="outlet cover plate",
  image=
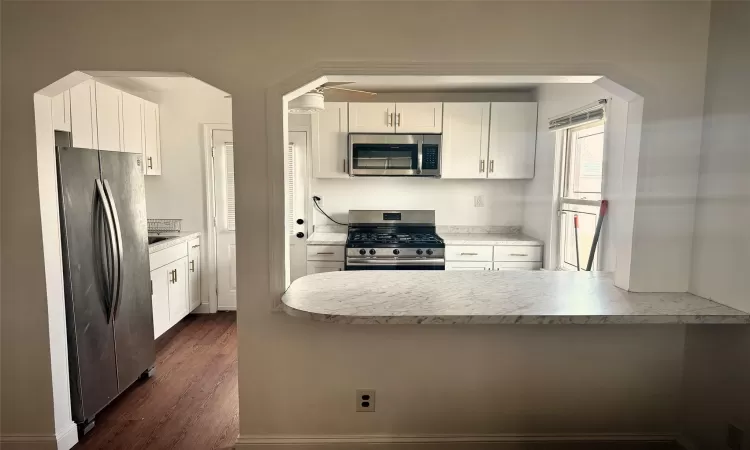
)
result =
(365, 400)
(479, 201)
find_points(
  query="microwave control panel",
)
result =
(430, 157)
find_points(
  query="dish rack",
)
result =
(158, 226)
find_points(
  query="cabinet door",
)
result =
(83, 115)
(466, 135)
(61, 111)
(419, 118)
(160, 282)
(178, 291)
(372, 117)
(512, 140)
(152, 138)
(324, 266)
(330, 147)
(457, 265)
(132, 123)
(108, 117)
(194, 277)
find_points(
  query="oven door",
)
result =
(384, 154)
(389, 264)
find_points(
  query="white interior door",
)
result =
(296, 176)
(226, 246)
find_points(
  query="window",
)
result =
(581, 177)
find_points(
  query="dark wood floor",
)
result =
(191, 402)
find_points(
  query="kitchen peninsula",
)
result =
(492, 297)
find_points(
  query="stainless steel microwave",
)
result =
(394, 155)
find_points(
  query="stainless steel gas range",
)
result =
(393, 240)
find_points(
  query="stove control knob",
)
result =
(396, 251)
(372, 251)
(362, 251)
(429, 252)
(419, 252)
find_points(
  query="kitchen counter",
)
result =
(324, 238)
(488, 239)
(174, 239)
(321, 238)
(492, 297)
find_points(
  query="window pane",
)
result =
(586, 156)
(586, 229)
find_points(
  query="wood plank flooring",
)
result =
(191, 402)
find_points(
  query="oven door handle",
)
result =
(393, 262)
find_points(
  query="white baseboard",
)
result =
(68, 437)
(227, 308)
(65, 440)
(506, 441)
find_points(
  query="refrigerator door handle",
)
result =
(111, 257)
(117, 250)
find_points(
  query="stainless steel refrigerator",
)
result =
(107, 279)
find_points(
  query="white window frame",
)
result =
(567, 205)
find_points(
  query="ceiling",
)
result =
(158, 83)
(388, 83)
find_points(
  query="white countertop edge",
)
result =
(327, 238)
(174, 240)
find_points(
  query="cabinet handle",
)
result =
(325, 253)
(481, 166)
(518, 254)
(469, 254)
(492, 165)
(398, 119)
(344, 165)
(192, 266)
(390, 118)
(150, 162)
(196, 245)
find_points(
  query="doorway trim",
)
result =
(277, 127)
(213, 298)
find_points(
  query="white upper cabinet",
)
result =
(83, 115)
(407, 118)
(132, 123)
(330, 129)
(108, 117)
(151, 138)
(61, 111)
(513, 129)
(419, 118)
(372, 117)
(466, 133)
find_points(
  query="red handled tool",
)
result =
(602, 212)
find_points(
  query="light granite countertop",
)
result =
(323, 238)
(326, 238)
(490, 297)
(174, 239)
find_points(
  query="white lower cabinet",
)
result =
(175, 284)
(463, 265)
(324, 266)
(488, 257)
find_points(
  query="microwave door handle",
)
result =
(419, 154)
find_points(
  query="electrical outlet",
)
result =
(365, 400)
(735, 436)
(479, 201)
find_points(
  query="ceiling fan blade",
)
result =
(350, 90)
(335, 83)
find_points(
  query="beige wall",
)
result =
(717, 361)
(298, 377)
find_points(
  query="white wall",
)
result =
(296, 376)
(539, 214)
(717, 361)
(179, 192)
(452, 200)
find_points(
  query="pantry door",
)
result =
(224, 202)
